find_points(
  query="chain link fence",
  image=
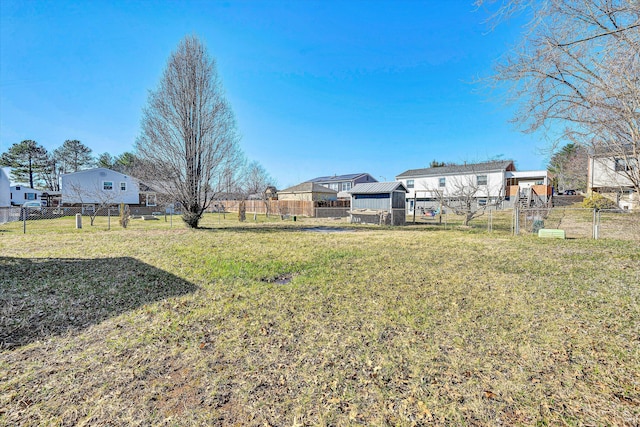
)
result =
(579, 223)
(34, 218)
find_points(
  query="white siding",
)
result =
(89, 187)
(5, 192)
(430, 186)
(24, 193)
(603, 174)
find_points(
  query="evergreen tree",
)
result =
(26, 159)
(77, 155)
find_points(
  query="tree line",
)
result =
(31, 162)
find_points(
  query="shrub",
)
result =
(598, 201)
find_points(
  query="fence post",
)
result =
(108, 217)
(24, 219)
(596, 224)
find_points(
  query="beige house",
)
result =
(613, 178)
(308, 191)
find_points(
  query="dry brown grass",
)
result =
(405, 326)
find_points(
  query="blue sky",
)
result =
(318, 88)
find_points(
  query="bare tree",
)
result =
(188, 137)
(468, 197)
(51, 173)
(256, 180)
(94, 196)
(576, 73)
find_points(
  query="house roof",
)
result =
(94, 170)
(528, 174)
(308, 187)
(377, 187)
(493, 166)
(335, 178)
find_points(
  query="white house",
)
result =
(23, 193)
(487, 180)
(5, 191)
(613, 177)
(99, 186)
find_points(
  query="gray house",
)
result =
(378, 203)
(343, 183)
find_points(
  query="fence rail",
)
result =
(283, 208)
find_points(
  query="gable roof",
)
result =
(493, 166)
(377, 187)
(94, 170)
(347, 177)
(308, 187)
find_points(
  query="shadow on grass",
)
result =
(276, 228)
(41, 297)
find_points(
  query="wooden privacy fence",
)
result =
(286, 207)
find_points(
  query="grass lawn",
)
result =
(267, 324)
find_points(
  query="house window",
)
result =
(481, 179)
(410, 183)
(346, 186)
(107, 185)
(151, 199)
(17, 188)
(29, 196)
(123, 186)
(623, 165)
(442, 182)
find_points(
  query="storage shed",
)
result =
(378, 203)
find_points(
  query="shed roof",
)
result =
(493, 166)
(308, 187)
(377, 187)
(347, 177)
